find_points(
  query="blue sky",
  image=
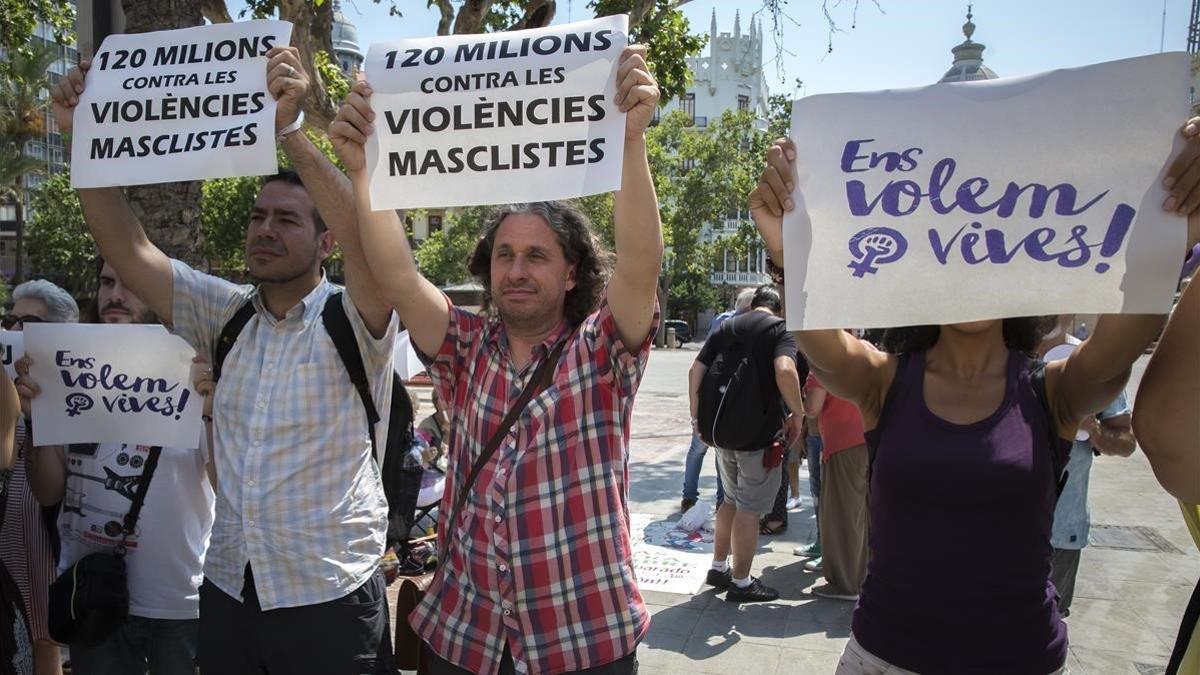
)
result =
(906, 45)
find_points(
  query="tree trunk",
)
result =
(538, 14)
(19, 268)
(470, 16)
(170, 212)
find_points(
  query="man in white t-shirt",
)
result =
(95, 485)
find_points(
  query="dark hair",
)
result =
(1021, 333)
(581, 247)
(767, 296)
(290, 177)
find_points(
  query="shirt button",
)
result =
(503, 567)
(250, 523)
(497, 518)
(250, 483)
(257, 444)
(502, 471)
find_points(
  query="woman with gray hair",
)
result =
(40, 301)
(27, 532)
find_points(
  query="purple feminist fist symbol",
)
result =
(875, 246)
(77, 403)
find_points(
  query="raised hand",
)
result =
(773, 196)
(1183, 181)
(66, 93)
(637, 91)
(287, 82)
(27, 389)
(350, 128)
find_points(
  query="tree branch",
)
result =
(470, 16)
(447, 15)
(538, 14)
(215, 11)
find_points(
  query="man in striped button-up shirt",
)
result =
(291, 577)
(539, 576)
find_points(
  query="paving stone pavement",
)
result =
(1124, 619)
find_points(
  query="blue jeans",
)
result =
(814, 445)
(160, 646)
(691, 471)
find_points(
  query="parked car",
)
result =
(683, 332)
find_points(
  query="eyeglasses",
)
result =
(10, 321)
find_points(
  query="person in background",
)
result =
(1109, 432)
(28, 536)
(16, 641)
(812, 447)
(697, 449)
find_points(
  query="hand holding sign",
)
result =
(351, 127)
(1183, 181)
(287, 82)
(65, 95)
(773, 196)
(637, 91)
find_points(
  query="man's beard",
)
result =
(145, 316)
(286, 275)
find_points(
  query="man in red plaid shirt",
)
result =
(538, 576)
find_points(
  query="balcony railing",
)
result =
(751, 278)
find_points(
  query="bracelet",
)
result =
(775, 272)
(294, 126)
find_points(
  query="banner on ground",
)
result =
(112, 384)
(177, 105)
(495, 118)
(968, 201)
(12, 348)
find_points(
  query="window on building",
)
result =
(435, 224)
(688, 105)
(743, 102)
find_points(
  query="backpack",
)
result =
(733, 413)
(400, 426)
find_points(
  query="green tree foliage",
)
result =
(702, 177)
(19, 19)
(444, 255)
(60, 247)
(667, 35)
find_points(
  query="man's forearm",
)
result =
(1117, 341)
(636, 224)
(46, 473)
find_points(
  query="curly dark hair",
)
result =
(581, 247)
(1021, 333)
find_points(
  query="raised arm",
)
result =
(328, 187)
(144, 268)
(423, 308)
(1166, 414)
(636, 224)
(10, 409)
(847, 366)
(1096, 372)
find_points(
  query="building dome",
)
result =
(344, 36)
(968, 58)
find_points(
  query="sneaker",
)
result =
(812, 550)
(814, 565)
(829, 592)
(721, 580)
(755, 592)
(686, 504)
(792, 503)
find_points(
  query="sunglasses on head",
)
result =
(11, 320)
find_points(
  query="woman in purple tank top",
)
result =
(966, 445)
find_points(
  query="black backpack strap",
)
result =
(129, 522)
(337, 324)
(229, 335)
(1037, 378)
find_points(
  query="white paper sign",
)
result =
(12, 348)
(496, 118)
(112, 384)
(969, 201)
(178, 105)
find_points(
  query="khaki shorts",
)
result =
(749, 485)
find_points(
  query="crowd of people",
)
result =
(259, 549)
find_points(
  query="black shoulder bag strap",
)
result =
(229, 335)
(540, 379)
(337, 324)
(129, 522)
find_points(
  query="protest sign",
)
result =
(178, 105)
(969, 201)
(12, 348)
(496, 118)
(112, 384)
